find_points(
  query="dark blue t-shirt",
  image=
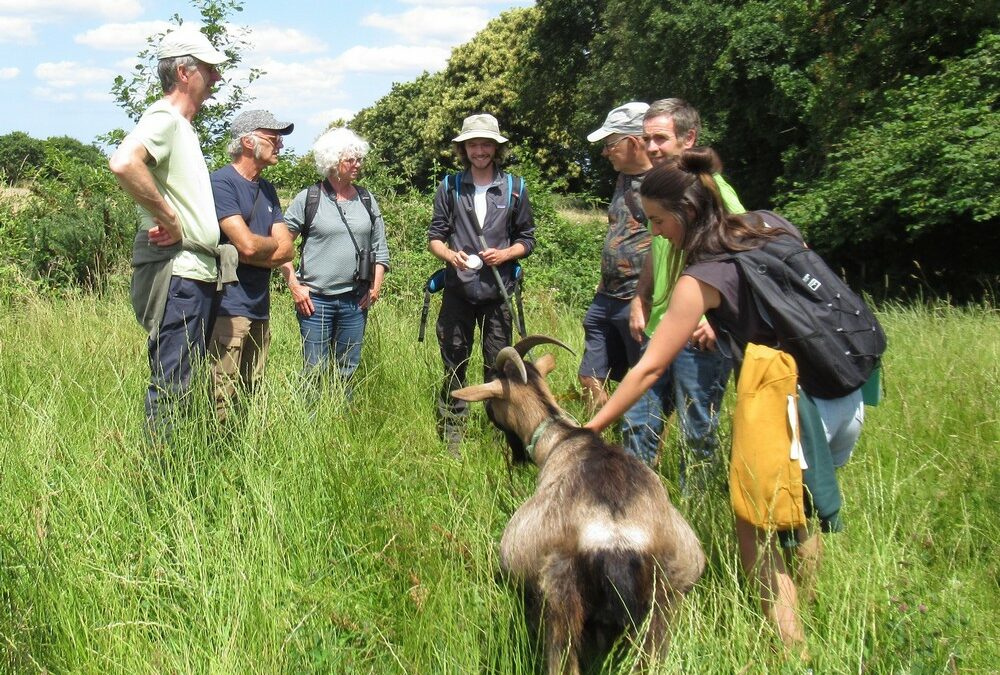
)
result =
(235, 195)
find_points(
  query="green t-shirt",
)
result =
(181, 176)
(668, 262)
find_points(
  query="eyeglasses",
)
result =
(608, 146)
(353, 160)
(273, 140)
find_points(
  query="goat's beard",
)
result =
(518, 454)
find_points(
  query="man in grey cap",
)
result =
(609, 346)
(250, 217)
(176, 271)
(482, 220)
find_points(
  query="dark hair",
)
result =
(685, 187)
(463, 156)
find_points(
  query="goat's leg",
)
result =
(661, 614)
(563, 616)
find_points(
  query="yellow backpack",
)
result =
(765, 470)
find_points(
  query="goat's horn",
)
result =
(510, 354)
(527, 343)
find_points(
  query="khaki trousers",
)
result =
(238, 349)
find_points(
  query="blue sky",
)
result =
(324, 60)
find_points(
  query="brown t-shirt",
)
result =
(737, 312)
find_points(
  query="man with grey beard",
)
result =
(250, 218)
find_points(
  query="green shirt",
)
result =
(668, 262)
(181, 176)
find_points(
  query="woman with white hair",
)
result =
(343, 259)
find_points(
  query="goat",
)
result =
(599, 542)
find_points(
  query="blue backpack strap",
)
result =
(510, 189)
(457, 178)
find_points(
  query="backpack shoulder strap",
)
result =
(513, 197)
(312, 206)
(456, 187)
(366, 200)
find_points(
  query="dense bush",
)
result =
(76, 227)
(869, 199)
(20, 156)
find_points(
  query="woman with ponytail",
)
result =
(683, 204)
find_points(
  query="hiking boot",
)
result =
(453, 440)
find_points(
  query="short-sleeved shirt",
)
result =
(626, 243)
(669, 261)
(329, 259)
(181, 176)
(237, 196)
(737, 312)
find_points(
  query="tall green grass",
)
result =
(346, 540)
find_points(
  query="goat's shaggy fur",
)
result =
(599, 541)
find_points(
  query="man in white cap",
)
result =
(482, 219)
(609, 346)
(176, 272)
(250, 217)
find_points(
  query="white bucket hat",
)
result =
(480, 126)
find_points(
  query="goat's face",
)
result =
(517, 399)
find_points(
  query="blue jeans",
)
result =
(693, 385)
(336, 320)
(176, 350)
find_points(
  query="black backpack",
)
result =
(833, 336)
(312, 206)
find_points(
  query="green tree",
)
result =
(918, 179)
(412, 126)
(557, 54)
(83, 153)
(20, 156)
(138, 92)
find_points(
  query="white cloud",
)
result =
(9, 73)
(69, 75)
(17, 31)
(465, 3)
(289, 90)
(268, 39)
(394, 59)
(323, 118)
(52, 95)
(112, 9)
(98, 96)
(130, 37)
(423, 25)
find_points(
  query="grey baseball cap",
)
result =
(625, 119)
(252, 120)
(189, 41)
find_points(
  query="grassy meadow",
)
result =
(346, 540)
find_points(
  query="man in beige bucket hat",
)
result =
(482, 224)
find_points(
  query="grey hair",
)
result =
(167, 70)
(684, 115)
(235, 147)
(336, 145)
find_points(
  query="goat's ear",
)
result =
(480, 392)
(545, 364)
